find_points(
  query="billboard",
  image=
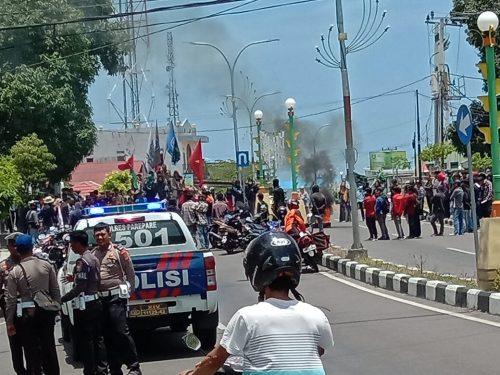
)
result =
(384, 159)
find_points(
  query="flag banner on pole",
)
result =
(173, 146)
(196, 163)
(157, 150)
(127, 165)
(150, 154)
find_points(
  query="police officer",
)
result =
(117, 281)
(35, 326)
(6, 266)
(87, 306)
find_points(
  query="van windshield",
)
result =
(144, 234)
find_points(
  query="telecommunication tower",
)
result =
(173, 103)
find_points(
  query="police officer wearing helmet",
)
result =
(87, 307)
(273, 264)
(33, 297)
(16, 347)
(117, 282)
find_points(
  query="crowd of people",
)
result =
(439, 197)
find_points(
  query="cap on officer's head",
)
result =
(13, 236)
(24, 243)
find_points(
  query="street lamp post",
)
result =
(290, 105)
(488, 24)
(258, 119)
(250, 110)
(231, 67)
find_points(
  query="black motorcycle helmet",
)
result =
(270, 256)
(315, 189)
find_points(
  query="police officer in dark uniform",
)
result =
(33, 278)
(87, 307)
(16, 347)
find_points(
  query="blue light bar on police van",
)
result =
(124, 209)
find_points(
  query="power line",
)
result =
(182, 23)
(386, 93)
(121, 15)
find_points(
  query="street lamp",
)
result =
(487, 22)
(231, 67)
(258, 119)
(290, 105)
(250, 110)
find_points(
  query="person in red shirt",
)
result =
(294, 222)
(369, 206)
(412, 213)
(398, 207)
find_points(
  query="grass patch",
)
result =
(468, 282)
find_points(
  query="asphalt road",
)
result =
(374, 334)
(447, 254)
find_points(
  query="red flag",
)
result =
(196, 163)
(128, 165)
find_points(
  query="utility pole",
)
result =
(442, 88)
(418, 162)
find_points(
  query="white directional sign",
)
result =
(242, 158)
(464, 125)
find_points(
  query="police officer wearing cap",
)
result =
(16, 347)
(35, 326)
(87, 307)
(117, 282)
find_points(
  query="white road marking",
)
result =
(460, 251)
(412, 303)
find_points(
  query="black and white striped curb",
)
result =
(433, 290)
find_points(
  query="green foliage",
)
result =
(10, 185)
(226, 171)
(45, 74)
(480, 162)
(33, 160)
(117, 180)
(437, 152)
(472, 9)
(400, 162)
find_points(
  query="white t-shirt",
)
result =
(279, 337)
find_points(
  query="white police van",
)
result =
(176, 283)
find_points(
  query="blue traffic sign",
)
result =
(464, 125)
(242, 158)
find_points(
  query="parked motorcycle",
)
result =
(227, 234)
(53, 246)
(309, 251)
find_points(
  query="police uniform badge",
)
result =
(81, 269)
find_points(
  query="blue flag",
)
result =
(173, 146)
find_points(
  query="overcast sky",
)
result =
(402, 56)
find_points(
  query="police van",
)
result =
(176, 283)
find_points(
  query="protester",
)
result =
(398, 207)
(371, 217)
(251, 190)
(238, 195)
(177, 184)
(47, 215)
(201, 210)
(360, 198)
(457, 203)
(486, 196)
(278, 196)
(161, 188)
(262, 208)
(219, 209)
(188, 213)
(438, 211)
(318, 201)
(32, 221)
(345, 205)
(468, 223)
(305, 198)
(381, 211)
(429, 193)
(412, 212)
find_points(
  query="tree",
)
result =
(117, 180)
(33, 161)
(225, 170)
(46, 71)
(437, 152)
(400, 162)
(480, 162)
(10, 186)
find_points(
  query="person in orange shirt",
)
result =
(294, 222)
(398, 207)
